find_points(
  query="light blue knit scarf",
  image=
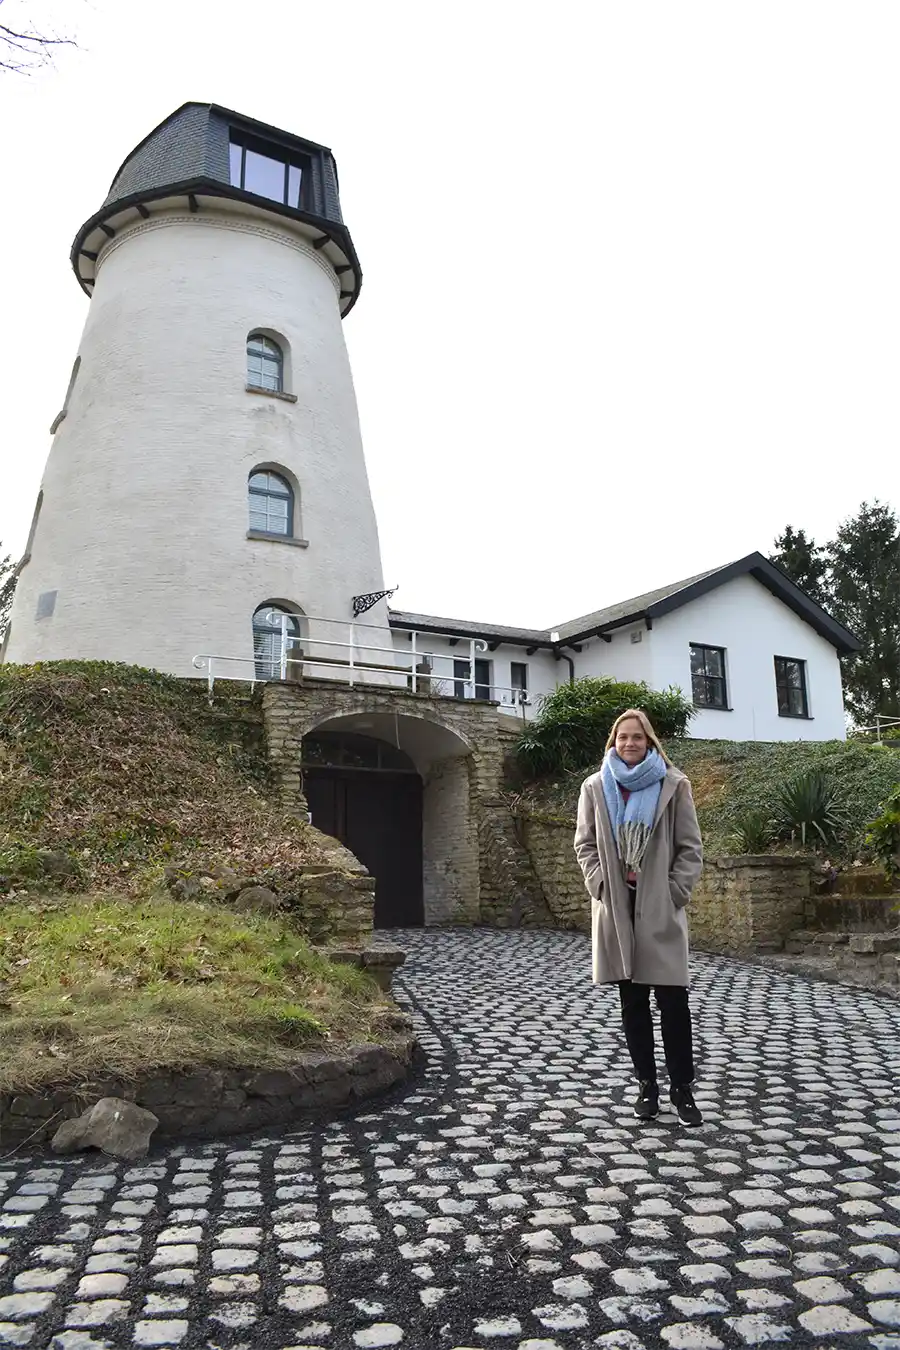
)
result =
(632, 821)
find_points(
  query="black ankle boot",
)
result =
(646, 1107)
(683, 1100)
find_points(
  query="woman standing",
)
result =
(638, 844)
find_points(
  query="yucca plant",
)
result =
(809, 810)
(754, 832)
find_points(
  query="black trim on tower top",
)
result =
(188, 155)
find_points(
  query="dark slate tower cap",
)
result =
(202, 152)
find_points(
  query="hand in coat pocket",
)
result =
(679, 895)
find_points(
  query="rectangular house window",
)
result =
(518, 677)
(708, 676)
(790, 685)
(461, 676)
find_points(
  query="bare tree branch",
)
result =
(22, 52)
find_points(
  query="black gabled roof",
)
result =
(647, 607)
(654, 604)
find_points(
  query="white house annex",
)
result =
(205, 506)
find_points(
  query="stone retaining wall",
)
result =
(851, 913)
(741, 904)
(550, 847)
(748, 903)
(208, 1102)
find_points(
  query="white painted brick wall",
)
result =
(144, 519)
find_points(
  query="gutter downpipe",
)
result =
(559, 654)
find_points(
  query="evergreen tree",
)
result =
(805, 562)
(7, 586)
(865, 596)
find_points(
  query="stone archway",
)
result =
(475, 868)
(456, 750)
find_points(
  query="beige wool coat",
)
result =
(655, 950)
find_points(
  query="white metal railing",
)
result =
(351, 666)
(881, 724)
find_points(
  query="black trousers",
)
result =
(677, 1034)
(675, 1020)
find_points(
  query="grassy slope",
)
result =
(95, 985)
(121, 772)
(730, 777)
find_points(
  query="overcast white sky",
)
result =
(632, 270)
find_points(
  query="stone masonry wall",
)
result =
(549, 845)
(460, 790)
(741, 904)
(450, 845)
(749, 903)
(511, 894)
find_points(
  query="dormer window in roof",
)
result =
(269, 170)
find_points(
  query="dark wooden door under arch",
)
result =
(377, 814)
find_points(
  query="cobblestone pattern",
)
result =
(509, 1199)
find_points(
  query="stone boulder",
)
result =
(257, 899)
(116, 1127)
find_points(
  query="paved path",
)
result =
(509, 1201)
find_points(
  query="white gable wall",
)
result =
(741, 616)
(753, 627)
(620, 659)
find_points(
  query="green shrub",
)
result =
(754, 832)
(574, 722)
(808, 809)
(883, 836)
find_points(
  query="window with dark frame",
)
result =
(790, 685)
(462, 674)
(708, 686)
(271, 504)
(518, 676)
(269, 170)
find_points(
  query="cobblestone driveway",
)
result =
(509, 1200)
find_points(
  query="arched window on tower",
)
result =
(271, 503)
(268, 623)
(265, 363)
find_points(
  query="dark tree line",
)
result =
(856, 577)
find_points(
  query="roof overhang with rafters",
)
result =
(183, 165)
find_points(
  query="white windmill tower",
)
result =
(206, 476)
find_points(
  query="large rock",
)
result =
(116, 1127)
(260, 899)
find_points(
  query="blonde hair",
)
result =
(652, 738)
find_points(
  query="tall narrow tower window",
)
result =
(267, 626)
(271, 504)
(265, 363)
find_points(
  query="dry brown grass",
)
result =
(125, 769)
